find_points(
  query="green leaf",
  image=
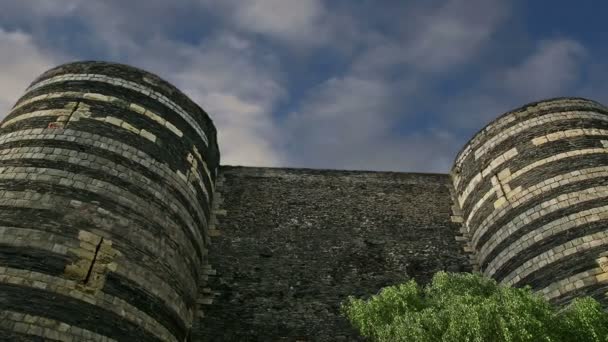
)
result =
(469, 307)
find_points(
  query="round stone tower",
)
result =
(533, 191)
(107, 177)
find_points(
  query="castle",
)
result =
(118, 223)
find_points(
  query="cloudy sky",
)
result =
(390, 85)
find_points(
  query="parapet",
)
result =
(532, 190)
(107, 179)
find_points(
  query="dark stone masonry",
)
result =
(534, 198)
(117, 222)
(294, 243)
(107, 177)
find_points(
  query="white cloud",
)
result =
(44, 8)
(339, 119)
(245, 131)
(435, 38)
(350, 121)
(455, 32)
(301, 26)
(595, 86)
(21, 61)
(115, 27)
(553, 68)
(293, 20)
(236, 84)
(431, 150)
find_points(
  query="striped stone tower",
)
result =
(532, 187)
(106, 179)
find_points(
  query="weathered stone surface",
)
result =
(112, 226)
(99, 229)
(538, 217)
(295, 243)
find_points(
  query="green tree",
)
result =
(469, 307)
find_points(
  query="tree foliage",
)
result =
(468, 307)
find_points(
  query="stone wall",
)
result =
(106, 180)
(113, 227)
(291, 244)
(534, 198)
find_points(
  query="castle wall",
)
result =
(292, 244)
(112, 229)
(534, 198)
(106, 179)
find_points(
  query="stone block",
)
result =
(114, 121)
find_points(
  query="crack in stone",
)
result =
(502, 188)
(72, 113)
(90, 271)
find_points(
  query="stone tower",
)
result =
(107, 177)
(533, 191)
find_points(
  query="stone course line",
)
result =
(555, 254)
(115, 146)
(456, 179)
(36, 114)
(529, 167)
(66, 287)
(510, 154)
(575, 282)
(559, 202)
(523, 196)
(81, 112)
(536, 121)
(129, 85)
(151, 283)
(47, 328)
(141, 276)
(553, 158)
(133, 107)
(36, 238)
(46, 201)
(505, 120)
(78, 181)
(125, 267)
(84, 159)
(480, 203)
(547, 231)
(570, 133)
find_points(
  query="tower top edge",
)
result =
(491, 125)
(133, 74)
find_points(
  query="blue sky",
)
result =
(343, 84)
